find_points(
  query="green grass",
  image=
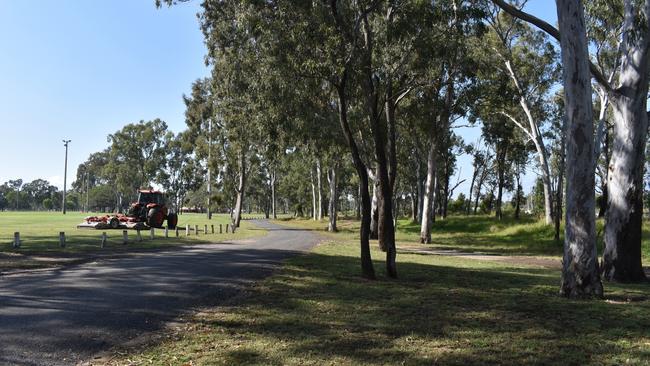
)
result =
(442, 310)
(39, 233)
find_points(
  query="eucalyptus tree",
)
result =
(202, 130)
(628, 99)
(480, 160)
(448, 83)
(135, 156)
(181, 173)
(526, 57)
(508, 148)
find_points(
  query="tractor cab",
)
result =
(145, 197)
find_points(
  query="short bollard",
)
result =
(220, 229)
(62, 239)
(166, 232)
(232, 229)
(176, 230)
(139, 236)
(226, 228)
(205, 229)
(212, 228)
(152, 234)
(125, 237)
(187, 230)
(103, 240)
(196, 229)
(16, 239)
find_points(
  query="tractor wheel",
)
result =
(155, 217)
(172, 220)
(114, 223)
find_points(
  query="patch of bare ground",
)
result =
(543, 262)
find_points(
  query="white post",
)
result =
(226, 228)
(196, 229)
(139, 236)
(16, 239)
(103, 239)
(187, 230)
(125, 237)
(152, 233)
(166, 232)
(220, 228)
(62, 239)
(176, 229)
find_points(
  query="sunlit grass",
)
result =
(39, 232)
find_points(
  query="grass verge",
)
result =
(39, 233)
(442, 310)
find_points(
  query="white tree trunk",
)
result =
(374, 206)
(333, 183)
(240, 189)
(429, 187)
(624, 218)
(314, 206)
(273, 210)
(319, 182)
(540, 148)
(580, 276)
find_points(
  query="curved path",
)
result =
(60, 317)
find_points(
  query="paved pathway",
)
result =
(60, 317)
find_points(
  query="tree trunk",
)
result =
(429, 186)
(358, 203)
(538, 141)
(500, 173)
(560, 182)
(478, 189)
(240, 188)
(367, 269)
(624, 219)
(314, 205)
(580, 276)
(602, 208)
(414, 207)
(273, 211)
(374, 220)
(471, 188)
(319, 174)
(420, 188)
(332, 180)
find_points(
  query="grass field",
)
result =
(39, 232)
(442, 310)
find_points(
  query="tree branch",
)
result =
(552, 31)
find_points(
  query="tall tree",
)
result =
(622, 257)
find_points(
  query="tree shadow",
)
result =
(448, 314)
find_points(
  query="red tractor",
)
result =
(150, 210)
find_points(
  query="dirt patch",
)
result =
(544, 262)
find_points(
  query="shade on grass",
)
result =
(442, 310)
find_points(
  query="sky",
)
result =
(80, 70)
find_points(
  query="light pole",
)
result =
(65, 171)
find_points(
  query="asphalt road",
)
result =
(64, 316)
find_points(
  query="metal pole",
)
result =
(65, 171)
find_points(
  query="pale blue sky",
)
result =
(80, 70)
